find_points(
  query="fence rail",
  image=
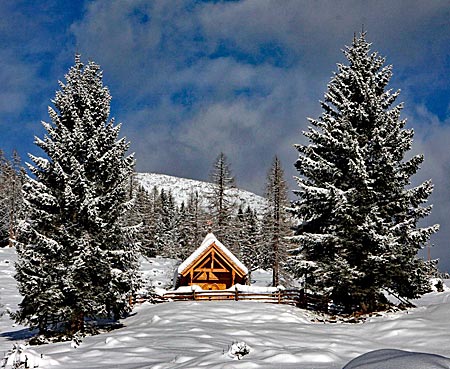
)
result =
(296, 297)
(291, 297)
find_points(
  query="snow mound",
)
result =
(398, 359)
(438, 282)
(188, 289)
(255, 289)
(21, 356)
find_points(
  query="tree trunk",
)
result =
(77, 322)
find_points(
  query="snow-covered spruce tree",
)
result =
(167, 223)
(276, 222)
(222, 202)
(12, 178)
(192, 225)
(196, 220)
(76, 259)
(359, 216)
(143, 213)
(249, 239)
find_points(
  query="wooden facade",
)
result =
(212, 267)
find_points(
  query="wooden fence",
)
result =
(291, 296)
(294, 297)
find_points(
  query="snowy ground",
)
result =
(9, 298)
(201, 334)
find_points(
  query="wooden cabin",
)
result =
(212, 267)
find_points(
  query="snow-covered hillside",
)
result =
(208, 334)
(182, 187)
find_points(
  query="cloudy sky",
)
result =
(192, 78)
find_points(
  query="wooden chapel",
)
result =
(212, 267)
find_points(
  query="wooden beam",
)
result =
(210, 270)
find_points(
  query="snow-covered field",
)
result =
(210, 334)
(182, 188)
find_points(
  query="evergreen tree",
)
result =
(249, 237)
(151, 225)
(12, 178)
(144, 214)
(222, 202)
(276, 220)
(183, 230)
(192, 224)
(76, 259)
(167, 233)
(359, 216)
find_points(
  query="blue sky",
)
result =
(191, 78)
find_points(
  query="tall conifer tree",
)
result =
(222, 202)
(249, 239)
(12, 178)
(77, 260)
(143, 213)
(359, 216)
(167, 226)
(277, 226)
(193, 223)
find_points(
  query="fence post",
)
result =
(236, 293)
(130, 300)
(279, 296)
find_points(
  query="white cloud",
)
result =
(431, 139)
(15, 80)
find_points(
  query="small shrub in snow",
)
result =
(238, 349)
(439, 285)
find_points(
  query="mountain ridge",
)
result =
(182, 188)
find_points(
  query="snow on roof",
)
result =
(208, 241)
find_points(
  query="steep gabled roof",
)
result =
(207, 242)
